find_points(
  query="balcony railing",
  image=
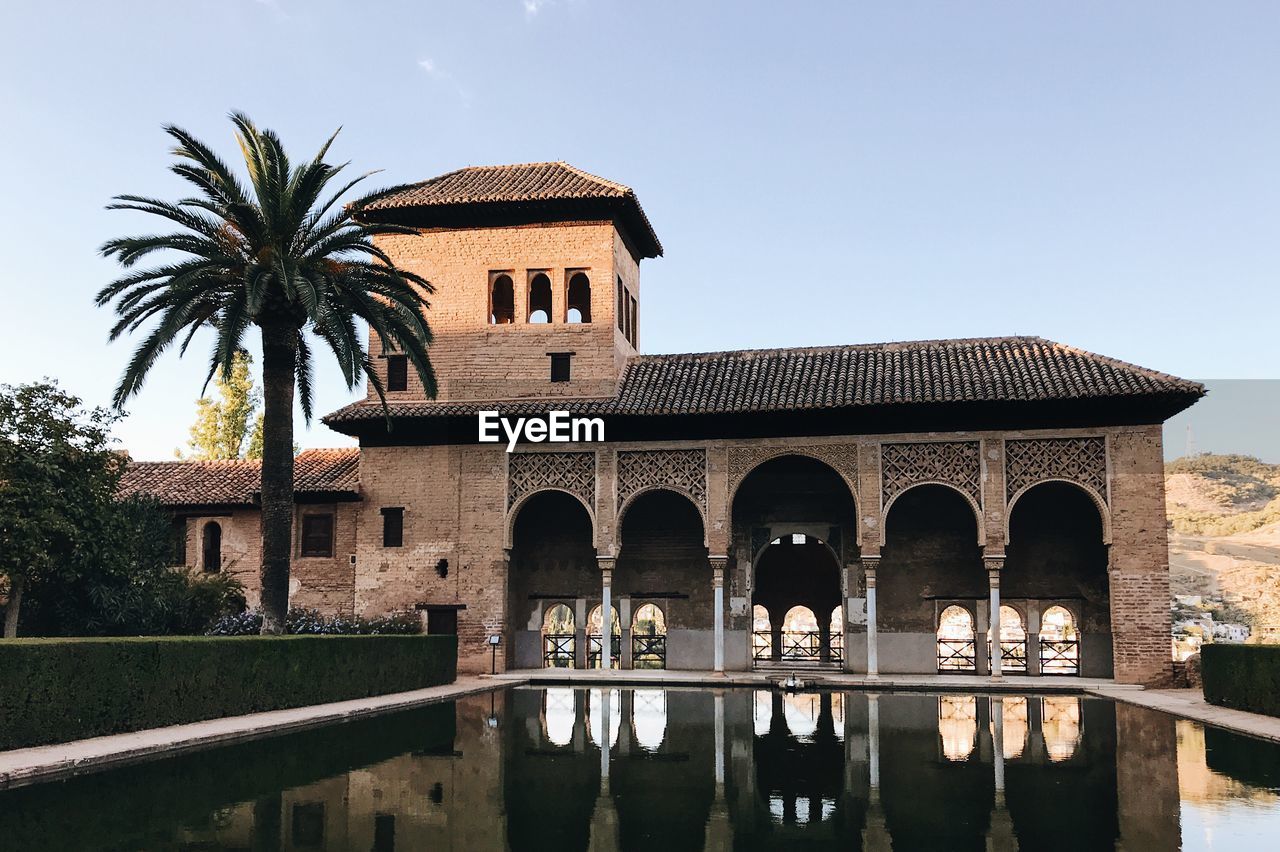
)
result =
(648, 651)
(558, 650)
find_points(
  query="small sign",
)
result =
(494, 640)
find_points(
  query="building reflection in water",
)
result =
(572, 769)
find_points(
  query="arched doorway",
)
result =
(211, 548)
(794, 522)
(649, 638)
(558, 635)
(553, 563)
(1059, 642)
(797, 577)
(1056, 561)
(595, 638)
(929, 563)
(662, 580)
(955, 642)
(1013, 642)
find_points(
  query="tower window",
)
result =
(397, 372)
(631, 321)
(560, 366)
(393, 527)
(211, 549)
(502, 300)
(579, 299)
(622, 307)
(539, 298)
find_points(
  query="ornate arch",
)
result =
(681, 471)
(1028, 461)
(1104, 511)
(624, 507)
(528, 474)
(954, 464)
(841, 458)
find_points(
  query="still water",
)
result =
(664, 770)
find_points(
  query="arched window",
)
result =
(800, 639)
(649, 638)
(1013, 641)
(502, 301)
(558, 638)
(955, 641)
(800, 710)
(579, 299)
(539, 299)
(559, 714)
(595, 638)
(211, 548)
(761, 634)
(1059, 642)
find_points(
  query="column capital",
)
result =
(606, 565)
(870, 564)
(718, 563)
(994, 565)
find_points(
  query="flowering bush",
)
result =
(310, 622)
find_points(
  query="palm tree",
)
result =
(281, 255)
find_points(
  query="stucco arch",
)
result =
(631, 500)
(783, 532)
(626, 507)
(968, 499)
(1104, 511)
(813, 454)
(514, 512)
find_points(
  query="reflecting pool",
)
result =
(663, 770)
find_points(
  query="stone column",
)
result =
(869, 566)
(994, 565)
(718, 564)
(997, 746)
(606, 611)
(624, 617)
(1033, 637)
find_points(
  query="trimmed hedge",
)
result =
(1244, 677)
(55, 690)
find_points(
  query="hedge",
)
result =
(1244, 677)
(55, 690)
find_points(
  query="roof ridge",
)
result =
(840, 347)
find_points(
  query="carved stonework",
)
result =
(954, 463)
(679, 470)
(528, 473)
(843, 458)
(1080, 460)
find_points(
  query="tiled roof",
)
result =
(234, 483)
(999, 369)
(523, 184)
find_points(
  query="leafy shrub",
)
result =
(1244, 677)
(310, 622)
(54, 690)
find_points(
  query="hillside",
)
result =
(1224, 541)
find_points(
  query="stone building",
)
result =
(873, 507)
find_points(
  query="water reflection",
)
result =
(564, 769)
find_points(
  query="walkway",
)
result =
(62, 760)
(1190, 704)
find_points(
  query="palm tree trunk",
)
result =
(279, 350)
(17, 583)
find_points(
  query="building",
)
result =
(879, 508)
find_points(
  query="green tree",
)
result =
(222, 425)
(57, 473)
(281, 255)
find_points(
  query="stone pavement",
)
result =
(1190, 704)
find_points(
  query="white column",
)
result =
(873, 742)
(718, 564)
(606, 730)
(719, 700)
(997, 745)
(869, 566)
(606, 613)
(993, 580)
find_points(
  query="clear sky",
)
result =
(1104, 174)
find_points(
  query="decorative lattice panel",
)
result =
(843, 458)
(954, 463)
(1082, 460)
(531, 472)
(681, 470)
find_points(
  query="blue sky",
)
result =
(1102, 174)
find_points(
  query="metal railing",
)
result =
(1059, 656)
(558, 650)
(798, 645)
(648, 651)
(1013, 655)
(595, 651)
(957, 655)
